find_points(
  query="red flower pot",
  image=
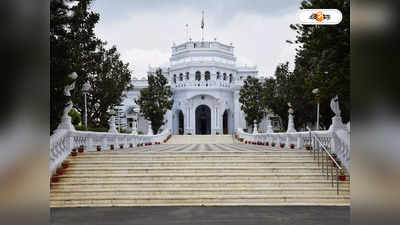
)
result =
(130, 145)
(273, 145)
(80, 149)
(98, 148)
(112, 147)
(64, 165)
(308, 148)
(74, 153)
(60, 172)
(342, 177)
(282, 145)
(292, 146)
(267, 143)
(55, 179)
(121, 146)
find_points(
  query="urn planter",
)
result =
(81, 149)
(60, 171)
(74, 153)
(342, 177)
(55, 178)
(65, 164)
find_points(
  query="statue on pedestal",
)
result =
(291, 128)
(111, 124)
(255, 128)
(66, 122)
(337, 119)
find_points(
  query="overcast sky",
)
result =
(144, 31)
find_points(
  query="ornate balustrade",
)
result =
(202, 83)
(336, 141)
(63, 141)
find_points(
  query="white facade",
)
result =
(205, 81)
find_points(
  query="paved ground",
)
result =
(245, 215)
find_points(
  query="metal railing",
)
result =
(324, 159)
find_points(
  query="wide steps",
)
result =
(195, 175)
(192, 191)
(245, 199)
(199, 183)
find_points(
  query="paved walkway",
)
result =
(203, 148)
(287, 215)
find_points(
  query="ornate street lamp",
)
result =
(85, 88)
(316, 93)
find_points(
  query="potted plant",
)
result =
(74, 153)
(273, 144)
(308, 147)
(65, 164)
(282, 145)
(292, 146)
(60, 171)
(111, 147)
(342, 175)
(98, 147)
(130, 145)
(81, 149)
(55, 178)
(121, 146)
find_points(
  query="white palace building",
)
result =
(205, 81)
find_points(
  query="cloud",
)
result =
(145, 36)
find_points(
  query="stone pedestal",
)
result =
(255, 128)
(269, 126)
(66, 121)
(111, 124)
(150, 129)
(291, 128)
(337, 124)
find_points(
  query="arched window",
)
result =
(218, 76)
(175, 78)
(187, 75)
(181, 77)
(198, 75)
(230, 78)
(224, 76)
(207, 75)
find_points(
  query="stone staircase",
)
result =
(201, 139)
(194, 175)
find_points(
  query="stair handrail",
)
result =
(314, 139)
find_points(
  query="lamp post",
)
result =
(316, 93)
(85, 89)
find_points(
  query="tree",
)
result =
(155, 100)
(75, 48)
(323, 60)
(72, 40)
(108, 80)
(252, 100)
